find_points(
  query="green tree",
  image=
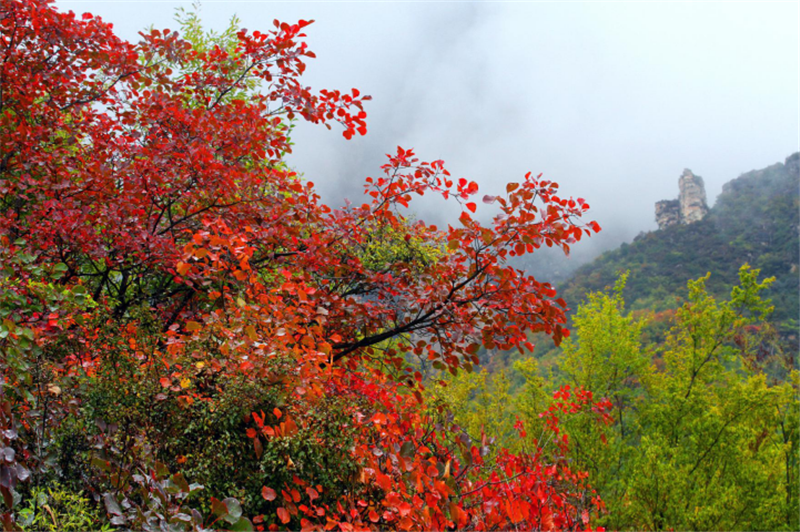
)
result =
(713, 454)
(606, 358)
(481, 405)
(700, 440)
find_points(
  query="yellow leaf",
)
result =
(185, 383)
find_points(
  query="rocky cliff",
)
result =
(691, 205)
(668, 212)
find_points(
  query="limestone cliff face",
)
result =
(668, 212)
(691, 205)
(692, 197)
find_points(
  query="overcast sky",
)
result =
(612, 100)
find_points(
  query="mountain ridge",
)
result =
(754, 220)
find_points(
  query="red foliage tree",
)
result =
(152, 176)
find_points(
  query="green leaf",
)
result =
(182, 517)
(161, 470)
(407, 450)
(243, 525)
(79, 290)
(219, 508)
(99, 463)
(112, 506)
(234, 510)
(59, 270)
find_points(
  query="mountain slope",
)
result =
(755, 220)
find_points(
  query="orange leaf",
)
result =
(289, 427)
(268, 493)
(183, 268)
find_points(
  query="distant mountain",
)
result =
(755, 220)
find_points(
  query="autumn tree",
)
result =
(189, 338)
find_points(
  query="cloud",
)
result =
(611, 100)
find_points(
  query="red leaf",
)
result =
(283, 515)
(268, 493)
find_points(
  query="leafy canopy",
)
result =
(177, 304)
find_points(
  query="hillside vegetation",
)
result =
(698, 433)
(191, 341)
(755, 220)
(701, 373)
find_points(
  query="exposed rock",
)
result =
(690, 206)
(668, 212)
(692, 197)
